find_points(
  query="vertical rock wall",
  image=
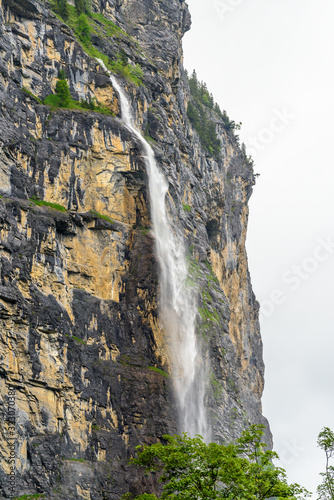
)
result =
(79, 335)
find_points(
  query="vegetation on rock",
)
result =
(42, 203)
(204, 114)
(82, 6)
(201, 110)
(100, 216)
(30, 497)
(158, 370)
(84, 23)
(62, 9)
(62, 98)
(62, 90)
(30, 94)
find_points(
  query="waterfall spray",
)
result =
(178, 308)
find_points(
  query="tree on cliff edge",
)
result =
(193, 470)
(326, 443)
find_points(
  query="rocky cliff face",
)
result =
(80, 342)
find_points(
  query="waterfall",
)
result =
(178, 302)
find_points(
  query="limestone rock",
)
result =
(80, 340)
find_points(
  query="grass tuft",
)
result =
(79, 341)
(161, 372)
(29, 497)
(30, 94)
(100, 216)
(43, 203)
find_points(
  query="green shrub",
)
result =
(83, 29)
(123, 57)
(63, 92)
(88, 104)
(61, 74)
(137, 72)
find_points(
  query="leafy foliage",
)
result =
(63, 92)
(326, 443)
(193, 470)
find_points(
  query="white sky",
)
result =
(262, 59)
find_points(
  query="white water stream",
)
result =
(178, 308)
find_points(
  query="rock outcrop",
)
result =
(80, 342)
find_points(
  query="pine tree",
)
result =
(82, 6)
(62, 9)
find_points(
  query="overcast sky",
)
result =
(269, 63)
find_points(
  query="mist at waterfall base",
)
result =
(177, 301)
(256, 57)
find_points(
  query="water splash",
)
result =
(178, 308)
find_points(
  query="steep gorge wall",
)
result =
(79, 336)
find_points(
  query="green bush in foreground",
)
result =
(192, 470)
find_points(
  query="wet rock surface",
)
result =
(80, 340)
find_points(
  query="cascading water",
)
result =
(177, 308)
